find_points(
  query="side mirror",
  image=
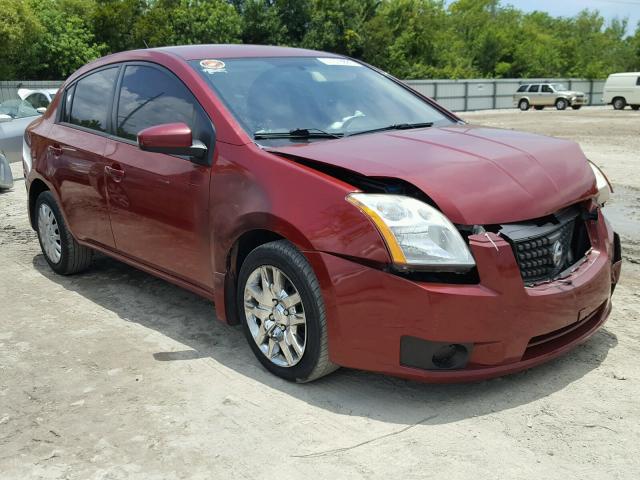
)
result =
(41, 110)
(172, 139)
(5, 118)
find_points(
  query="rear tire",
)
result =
(576, 107)
(561, 104)
(539, 107)
(523, 105)
(64, 255)
(270, 329)
(635, 107)
(619, 103)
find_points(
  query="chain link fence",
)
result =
(456, 95)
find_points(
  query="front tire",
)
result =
(282, 313)
(561, 104)
(576, 107)
(64, 255)
(523, 105)
(635, 107)
(539, 107)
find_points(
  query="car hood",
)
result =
(475, 175)
(571, 92)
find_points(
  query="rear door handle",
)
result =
(55, 149)
(115, 172)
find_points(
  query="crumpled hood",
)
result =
(476, 175)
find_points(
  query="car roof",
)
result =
(198, 52)
(186, 53)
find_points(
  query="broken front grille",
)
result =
(546, 247)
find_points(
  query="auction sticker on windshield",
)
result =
(345, 62)
(213, 66)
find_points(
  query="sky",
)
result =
(608, 8)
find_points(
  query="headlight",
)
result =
(416, 234)
(602, 183)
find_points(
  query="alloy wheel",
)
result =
(49, 233)
(275, 315)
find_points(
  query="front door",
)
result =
(547, 95)
(159, 203)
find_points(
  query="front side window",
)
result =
(336, 95)
(534, 88)
(148, 97)
(90, 104)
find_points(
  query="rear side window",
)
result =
(523, 88)
(38, 100)
(546, 89)
(638, 81)
(534, 88)
(149, 96)
(90, 105)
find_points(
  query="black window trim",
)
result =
(112, 107)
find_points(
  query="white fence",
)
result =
(456, 95)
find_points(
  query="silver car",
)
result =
(15, 115)
(540, 95)
(6, 178)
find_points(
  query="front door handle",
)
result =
(115, 172)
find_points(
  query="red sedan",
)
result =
(341, 217)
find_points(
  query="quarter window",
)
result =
(638, 81)
(38, 100)
(523, 88)
(90, 106)
(149, 96)
(534, 88)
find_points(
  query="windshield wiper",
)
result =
(395, 126)
(297, 133)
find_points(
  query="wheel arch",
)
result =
(35, 189)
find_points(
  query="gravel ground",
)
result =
(114, 374)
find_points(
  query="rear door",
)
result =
(75, 155)
(159, 203)
(534, 95)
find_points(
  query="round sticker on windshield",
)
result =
(212, 66)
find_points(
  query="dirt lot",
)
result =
(114, 374)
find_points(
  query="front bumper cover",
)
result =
(510, 327)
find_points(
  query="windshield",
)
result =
(335, 96)
(558, 87)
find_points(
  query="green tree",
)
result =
(113, 23)
(261, 23)
(18, 28)
(338, 25)
(184, 22)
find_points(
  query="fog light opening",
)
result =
(450, 356)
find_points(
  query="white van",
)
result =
(622, 89)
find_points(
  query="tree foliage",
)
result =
(49, 39)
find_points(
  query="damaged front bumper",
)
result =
(382, 322)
